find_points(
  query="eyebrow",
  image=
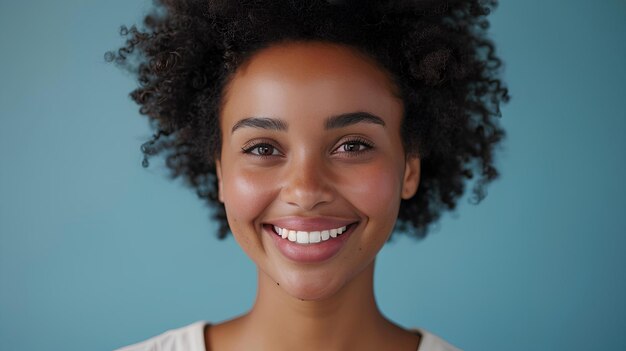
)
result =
(262, 123)
(333, 122)
(347, 119)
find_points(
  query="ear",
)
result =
(411, 178)
(218, 173)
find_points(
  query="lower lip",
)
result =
(310, 253)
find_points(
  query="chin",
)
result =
(316, 288)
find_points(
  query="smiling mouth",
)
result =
(303, 237)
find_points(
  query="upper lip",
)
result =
(310, 223)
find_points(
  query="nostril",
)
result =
(306, 191)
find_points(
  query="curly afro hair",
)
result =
(437, 53)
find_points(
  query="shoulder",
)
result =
(431, 342)
(188, 338)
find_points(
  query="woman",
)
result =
(315, 129)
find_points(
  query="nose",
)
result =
(307, 183)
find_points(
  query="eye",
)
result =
(354, 146)
(261, 149)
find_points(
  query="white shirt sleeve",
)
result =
(189, 338)
(431, 342)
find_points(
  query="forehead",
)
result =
(309, 78)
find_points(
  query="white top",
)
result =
(191, 338)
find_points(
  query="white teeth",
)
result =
(302, 237)
(333, 233)
(315, 237)
(325, 235)
(292, 235)
(281, 232)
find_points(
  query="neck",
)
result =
(335, 323)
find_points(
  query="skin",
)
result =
(297, 168)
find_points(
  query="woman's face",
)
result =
(312, 168)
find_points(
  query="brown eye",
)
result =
(262, 149)
(352, 147)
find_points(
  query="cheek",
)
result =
(246, 195)
(375, 191)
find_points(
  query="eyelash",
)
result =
(251, 147)
(355, 141)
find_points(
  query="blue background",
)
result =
(97, 252)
